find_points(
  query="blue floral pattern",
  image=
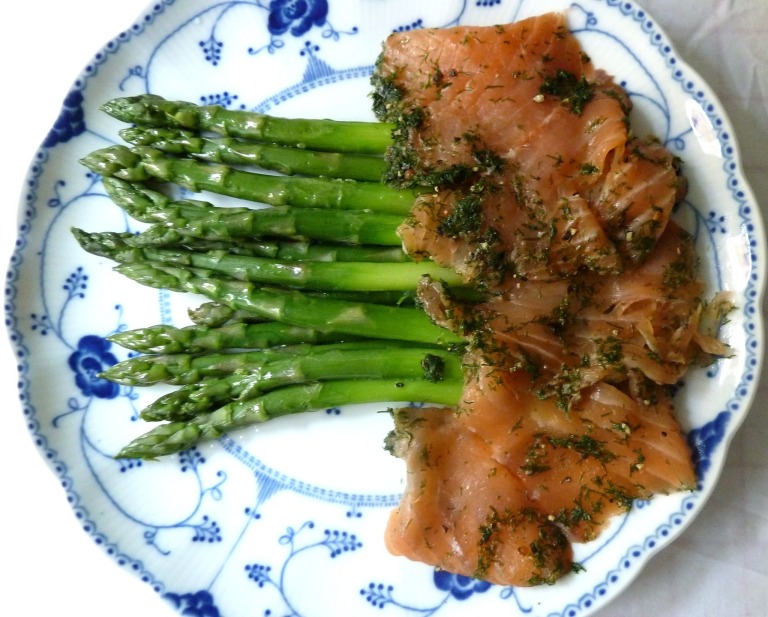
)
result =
(460, 587)
(456, 587)
(70, 122)
(298, 16)
(93, 355)
(705, 439)
(198, 604)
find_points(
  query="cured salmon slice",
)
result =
(634, 199)
(533, 142)
(499, 489)
(464, 512)
(642, 324)
(585, 465)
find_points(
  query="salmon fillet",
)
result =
(498, 489)
(464, 512)
(532, 141)
(582, 467)
(638, 326)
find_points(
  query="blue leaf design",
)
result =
(212, 49)
(209, 531)
(340, 542)
(259, 573)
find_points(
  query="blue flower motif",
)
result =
(461, 587)
(705, 439)
(90, 359)
(199, 604)
(298, 16)
(70, 122)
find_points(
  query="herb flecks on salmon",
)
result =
(544, 200)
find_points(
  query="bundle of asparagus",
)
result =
(311, 297)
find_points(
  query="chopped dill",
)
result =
(557, 158)
(488, 161)
(546, 550)
(619, 496)
(682, 270)
(609, 351)
(386, 95)
(576, 568)
(465, 219)
(585, 446)
(575, 92)
(572, 517)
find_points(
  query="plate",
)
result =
(288, 518)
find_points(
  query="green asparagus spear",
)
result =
(332, 226)
(167, 339)
(310, 251)
(321, 275)
(300, 250)
(297, 308)
(142, 163)
(174, 437)
(106, 242)
(150, 206)
(186, 368)
(216, 314)
(324, 135)
(201, 397)
(321, 365)
(231, 151)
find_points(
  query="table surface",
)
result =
(716, 567)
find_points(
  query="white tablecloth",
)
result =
(718, 567)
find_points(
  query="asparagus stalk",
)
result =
(167, 339)
(185, 368)
(174, 437)
(108, 242)
(128, 241)
(129, 246)
(307, 251)
(231, 151)
(216, 314)
(323, 135)
(245, 224)
(321, 275)
(149, 206)
(312, 224)
(300, 250)
(201, 397)
(143, 162)
(320, 365)
(297, 308)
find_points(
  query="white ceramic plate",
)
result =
(287, 519)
